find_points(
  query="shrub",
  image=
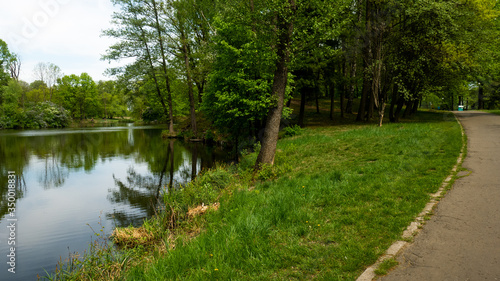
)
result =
(152, 114)
(35, 116)
(294, 130)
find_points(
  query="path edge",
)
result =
(416, 225)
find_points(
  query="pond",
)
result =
(72, 182)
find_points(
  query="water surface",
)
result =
(72, 182)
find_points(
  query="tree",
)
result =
(5, 58)
(182, 27)
(136, 42)
(483, 56)
(160, 35)
(286, 14)
(254, 50)
(15, 66)
(239, 85)
(79, 95)
(189, 34)
(49, 73)
(143, 33)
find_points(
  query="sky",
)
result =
(66, 33)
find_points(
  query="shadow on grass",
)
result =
(322, 119)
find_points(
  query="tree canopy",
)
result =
(237, 63)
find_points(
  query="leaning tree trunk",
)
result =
(165, 73)
(189, 79)
(151, 65)
(270, 138)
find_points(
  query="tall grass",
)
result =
(335, 200)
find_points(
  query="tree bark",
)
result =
(331, 90)
(400, 104)
(480, 97)
(302, 107)
(316, 96)
(189, 81)
(165, 73)
(270, 138)
(151, 65)
(342, 93)
(364, 97)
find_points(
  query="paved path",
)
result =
(462, 239)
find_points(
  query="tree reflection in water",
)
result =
(55, 155)
(177, 164)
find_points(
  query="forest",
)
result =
(238, 64)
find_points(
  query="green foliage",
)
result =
(293, 130)
(271, 172)
(79, 95)
(205, 190)
(5, 57)
(239, 92)
(152, 114)
(35, 116)
(19, 113)
(111, 101)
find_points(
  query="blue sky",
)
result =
(66, 33)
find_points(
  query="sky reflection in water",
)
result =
(74, 181)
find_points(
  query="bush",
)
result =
(35, 116)
(294, 130)
(206, 187)
(152, 114)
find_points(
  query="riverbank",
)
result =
(335, 200)
(102, 122)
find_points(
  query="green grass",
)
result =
(340, 196)
(386, 266)
(497, 112)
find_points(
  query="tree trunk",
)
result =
(201, 90)
(480, 97)
(400, 104)
(381, 114)
(316, 95)
(331, 90)
(394, 101)
(371, 106)
(185, 52)
(342, 94)
(164, 65)
(194, 161)
(270, 138)
(352, 88)
(364, 96)
(150, 61)
(407, 109)
(302, 107)
(171, 149)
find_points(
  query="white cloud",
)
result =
(63, 32)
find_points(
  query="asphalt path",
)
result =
(461, 241)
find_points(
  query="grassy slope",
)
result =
(497, 112)
(348, 193)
